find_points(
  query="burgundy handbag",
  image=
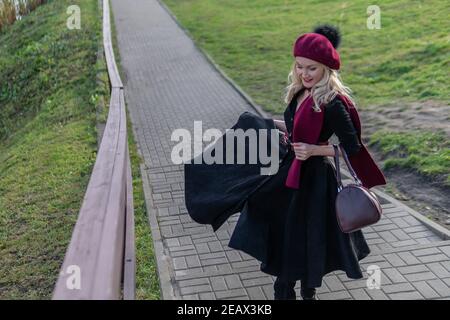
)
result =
(356, 206)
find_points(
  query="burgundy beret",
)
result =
(317, 47)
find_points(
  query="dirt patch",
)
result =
(417, 192)
(428, 115)
(429, 197)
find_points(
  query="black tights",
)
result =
(284, 290)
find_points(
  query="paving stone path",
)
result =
(168, 85)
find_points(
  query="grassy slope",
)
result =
(47, 107)
(45, 165)
(406, 60)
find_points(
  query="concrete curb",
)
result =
(162, 260)
(435, 227)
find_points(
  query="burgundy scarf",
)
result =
(307, 127)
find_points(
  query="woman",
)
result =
(288, 220)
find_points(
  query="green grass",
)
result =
(147, 282)
(407, 59)
(426, 152)
(48, 93)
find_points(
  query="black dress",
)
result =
(294, 232)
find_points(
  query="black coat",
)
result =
(215, 192)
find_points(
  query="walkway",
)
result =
(169, 84)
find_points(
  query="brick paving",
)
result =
(169, 84)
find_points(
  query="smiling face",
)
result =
(309, 71)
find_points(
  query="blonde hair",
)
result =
(323, 91)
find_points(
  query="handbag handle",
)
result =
(338, 169)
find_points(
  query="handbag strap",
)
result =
(347, 162)
(338, 169)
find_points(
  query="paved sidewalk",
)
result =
(168, 85)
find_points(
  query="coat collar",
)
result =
(293, 104)
(309, 132)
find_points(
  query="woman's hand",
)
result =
(303, 150)
(284, 139)
(280, 125)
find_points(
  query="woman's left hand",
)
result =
(303, 150)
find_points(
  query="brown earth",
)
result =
(428, 196)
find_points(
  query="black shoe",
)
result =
(308, 293)
(284, 290)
